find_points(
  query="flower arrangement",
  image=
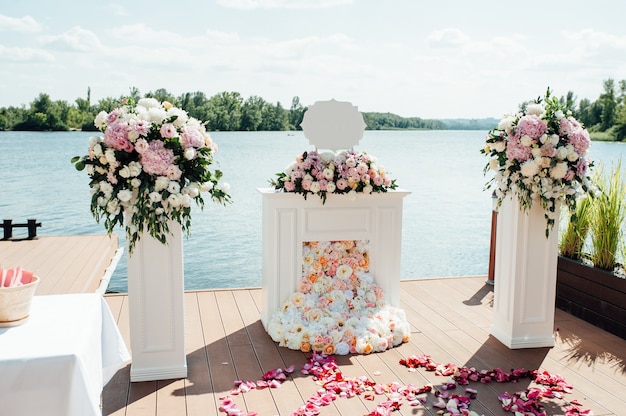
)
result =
(540, 155)
(344, 172)
(151, 163)
(337, 308)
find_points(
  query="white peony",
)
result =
(529, 168)
(535, 109)
(559, 171)
(125, 195)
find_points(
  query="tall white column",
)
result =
(525, 277)
(156, 305)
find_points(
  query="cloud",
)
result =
(22, 24)
(24, 55)
(447, 38)
(281, 4)
(75, 39)
(118, 9)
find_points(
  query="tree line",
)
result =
(225, 111)
(229, 111)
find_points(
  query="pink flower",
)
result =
(173, 172)
(290, 186)
(192, 137)
(579, 138)
(168, 131)
(532, 126)
(156, 159)
(116, 137)
(516, 150)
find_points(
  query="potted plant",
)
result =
(590, 278)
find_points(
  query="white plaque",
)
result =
(333, 125)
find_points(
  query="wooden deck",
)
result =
(65, 264)
(450, 320)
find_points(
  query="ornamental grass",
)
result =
(608, 220)
(575, 235)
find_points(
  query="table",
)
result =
(59, 360)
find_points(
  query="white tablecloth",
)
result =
(58, 361)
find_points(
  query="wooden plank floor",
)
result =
(65, 264)
(450, 320)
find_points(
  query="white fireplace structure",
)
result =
(289, 220)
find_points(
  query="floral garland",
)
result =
(539, 154)
(338, 309)
(344, 172)
(151, 163)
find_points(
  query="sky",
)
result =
(436, 59)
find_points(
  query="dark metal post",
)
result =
(8, 229)
(492, 247)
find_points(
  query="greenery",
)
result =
(595, 231)
(608, 220)
(575, 234)
(604, 118)
(225, 111)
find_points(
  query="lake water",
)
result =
(446, 218)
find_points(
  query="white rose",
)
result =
(206, 187)
(331, 187)
(182, 116)
(148, 102)
(561, 153)
(573, 156)
(535, 109)
(559, 171)
(559, 114)
(124, 195)
(527, 141)
(328, 173)
(173, 187)
(113, 207)
(106, 188)
(155, 197)
(543, 138)
(161, 183)
(125, 172)
(368, 189)
(185, 200)
(135, 168)
(315, 187)
(135, 182)
(499, 146)
(97, 150)
(190, 153)
(191, 190)
(224, 187)
(506, 123)
(110, 156)
(554, 140)
(174, 200)
(100, 120)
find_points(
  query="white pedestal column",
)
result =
(156, 305)
(525, 277)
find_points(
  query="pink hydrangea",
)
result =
(532, 126)
(157, 159)
(516, 150)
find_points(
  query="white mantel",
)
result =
(289, 220)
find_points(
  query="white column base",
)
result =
(525, 277)
(156, 306)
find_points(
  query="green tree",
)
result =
(252, 113)
(296, 114)
(609, 105)
(225, 111)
